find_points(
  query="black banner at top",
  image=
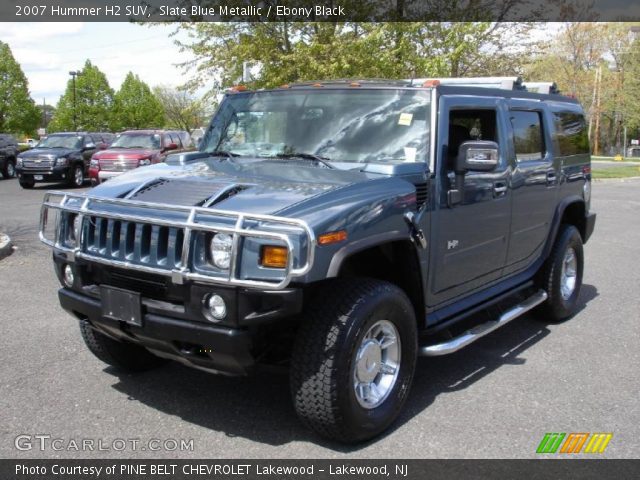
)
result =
(318, 10)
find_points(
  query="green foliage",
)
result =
(94, 103)
(181, 110)
(290, 52)
(135, 106)
(18, 113)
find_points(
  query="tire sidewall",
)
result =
(570, 239)
(73, 178)
(388, 305)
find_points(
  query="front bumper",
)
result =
(55, 174)
(174, 322)
(221, 349)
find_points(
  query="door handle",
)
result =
(499, 189)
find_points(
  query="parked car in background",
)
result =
(8, 154)
(136, 148)
(60, 157)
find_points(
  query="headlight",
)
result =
(144, 161)
(62, 162)
(221, 250)
(18, 162)
(94, 163)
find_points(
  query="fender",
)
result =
(557, 217)
(374, 240)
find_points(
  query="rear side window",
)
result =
(527, 135)
(571, 133)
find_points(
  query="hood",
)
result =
(47, 152)
(124, 153)
(254, 187)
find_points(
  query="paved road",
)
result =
(496, 398)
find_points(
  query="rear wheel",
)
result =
(561, 276)
(121, 355)
(27, 181)
(354, 359)
(9, 170)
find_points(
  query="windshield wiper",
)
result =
(223, 153)
(306, 156)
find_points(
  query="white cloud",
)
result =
(48, 51)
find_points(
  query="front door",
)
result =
(469, 237)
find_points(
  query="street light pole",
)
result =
(73, 76)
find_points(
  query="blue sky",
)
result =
(48, 51)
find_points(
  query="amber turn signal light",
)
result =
(332, 237)
(273, 256)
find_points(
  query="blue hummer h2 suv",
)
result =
(337, 228)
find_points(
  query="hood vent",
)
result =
(422, 192)
(192, 193)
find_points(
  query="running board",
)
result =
(480, 331)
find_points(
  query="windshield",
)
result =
(61, 141)
(350, 125)
(137, 140)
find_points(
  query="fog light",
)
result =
(68, 276)
(216, 306)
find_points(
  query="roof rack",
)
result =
(542, 87)
(505, 83)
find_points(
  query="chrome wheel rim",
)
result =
(377, 364)
(568, 277)
(79, 177)
(11, 171)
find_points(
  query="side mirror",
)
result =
(171, 146)
(102, 146)
(89, 146)
(477, 156)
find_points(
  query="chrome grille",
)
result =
(38, 162)
(118, 165)
(158, 238)
(133, 242)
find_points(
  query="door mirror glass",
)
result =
(477, 156)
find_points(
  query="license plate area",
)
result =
(122, 305)
(38, 177)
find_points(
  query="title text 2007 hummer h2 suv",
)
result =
(342, 227)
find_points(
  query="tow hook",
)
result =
(417, 235)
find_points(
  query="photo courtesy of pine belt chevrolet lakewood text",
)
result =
(338, 228)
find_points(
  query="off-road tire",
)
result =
(335, 319)
(121, 355)
(27, 182)
(9, 170)
(556, 308)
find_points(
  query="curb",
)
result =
(6, 247)
(615, 180)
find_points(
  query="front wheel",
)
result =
(561, 276)
(77, 178)
(121, 355)
(27, 181)
(354, 359)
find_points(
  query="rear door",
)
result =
(469, 238)
(534, 182)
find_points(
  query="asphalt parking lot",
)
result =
(496, 398)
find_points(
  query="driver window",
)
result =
(465, 125)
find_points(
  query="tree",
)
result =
(135, 105)
(181, 110)
(18, 113)
(289, 52)
(93, 104)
